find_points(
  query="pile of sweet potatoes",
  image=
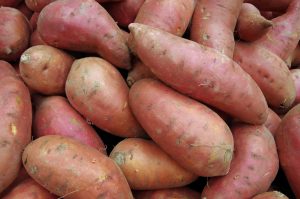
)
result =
(149, 99)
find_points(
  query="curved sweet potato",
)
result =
(139, 71)
(178, 193)
(70, 169)
(97, 90)
(147, 167)
(270, 195)
(200, 72)
(83, 26)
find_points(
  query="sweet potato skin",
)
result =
(265, 5)
(97, 90)
(296, 77)
(35, 39)
(288, 145)
(147, 167)
(272, 122)
(10, 3)
(99, 176)
(83, 26)
(45, 69)
(193, 135)
(223, 84)
(270, 195)
(139, 71)
(15, 123)
(55, 116)
(14, 33)
(178, 193)
(254, 166)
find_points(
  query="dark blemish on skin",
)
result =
(45, 67)
(108, 36)
(61, 147)
(25, 161)
(164, 52)
(238, 192)
(251, 168)
(72, 14)
(4, 143)
(49, 151)
(75, 156)
(249, 105)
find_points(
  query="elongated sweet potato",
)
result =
(178, 193)
(14, 33)
(276, 5)
(272, 122)
(147, 167)
(97, 90)
(213, 24)
(269, 72)
(83, 26)
(15, 123)
(70, 169)
(288, 145)
(270, 195)
(55, 116)
(10, 3)
(45, 69)
(254, 166)
(139, 71)
(200, 72)
(192, 134)
(296, 77)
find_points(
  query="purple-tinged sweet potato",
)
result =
(178, 193)
(139, 71)
(200, 72)
(253, 168)
(271, 195)
(272, 122)
(72, 170)
(10, 3)
(97, 90)
(84, 26)
(191, 133)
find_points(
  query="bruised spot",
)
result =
(13, 129)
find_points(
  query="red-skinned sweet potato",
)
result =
(265, 5)
(10, 3)
(25, 10)
(192, 134)
(35, 39)
(15, 123)
(97, 90)
(14, 33)
(45, 69)
(288, 145)
(200, 72)
(55, 116)
(178, 193)
(270, 195)
(33, 20)
(139, 71)
(70, 169)
(296, 77)
(83, 26)
(147, 167)
(272, 122)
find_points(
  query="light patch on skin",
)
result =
(124, 106)
(18, 100)
(73, 121)
(25, 58)
(13, 129)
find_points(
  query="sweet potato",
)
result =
(139, 71)
(97, 90)
(35, 39)
(269, 72)
(288, 145)
(29, 189)
(251, 24)
(178, 193)
(147, 167)
(70, 169)
(253, 168)
(14, 33)
(296, 77)
(272, 122)
(33, 20)
(275, 5)
(25, 10)
(192, 134)
(200, 72)
(15, 123)
(213, 24)
(270, 195)
(45, 69)
(10, 3)
(55, 116)
(124, 12)
(83, 26)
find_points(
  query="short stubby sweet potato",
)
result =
(147, 167)
(14, 33)
(70, 169)
(288, 145)
(271, 195)
(15, 123)
(83, 26)
(191, 133)
(10, 3)
(97, 90)
(29, 189)
(296, 77)
(178, 193)
(272, 122)
(254, 166)
(55, 116)
(45, 69)
(200, 72)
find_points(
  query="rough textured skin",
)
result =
(296, 77)
(192, 134)
(29, 189)
(83, 171)
(147, 167)
(253, 168)
(55, 116)
(10, 3)
(139, 71)
(276, 5)
(215, 79)
(213, 24)
(251, 25)
(84, 26)
(272, 122)
(15, 123)
(270, 195)
(97, 90)
(14, 33)
(45, 69)
(288, 145)
(270, 73)
(124, 12)
(176, 193)
(35, 39)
